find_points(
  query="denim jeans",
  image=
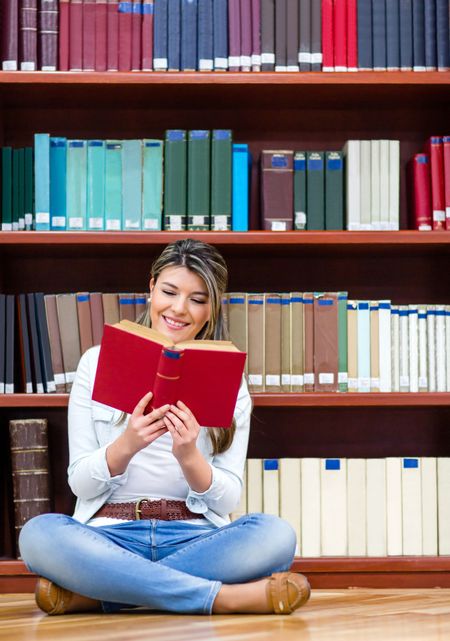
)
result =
(163, 565)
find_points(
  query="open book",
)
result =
(134, 360)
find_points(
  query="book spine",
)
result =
(132, 185)
(147, 34)
(234, 35)
(76, 185)
(379, 34)
(112, 23)
(430, 34)
(446, 147)
(340, 35)
(97, 318)
(125, 35)
(352, 36)
(24, 345)
(21, 184)
(34, 345)
(101, 35)
(442, 35)
(96, 185)
(76, 35)
(392, 35)
(246, 35)
(198, 180)
(48, 35)
(308, 378)
(58, 198)
(334, 190)
(272, 343)
(2, 341)
(167, 378)
(136, 35)
(315, 190)
(375, 185)
(406, 35)
(160, 51)
(343, 342)
(44, 344)
(422, 208)
(304, 45)
(277, 190)
(205, 35)
(113, 185)
(29, 189)
(28, 35)
(286, 347)
(418, 15)
(152, 185)
(437, 182)
(55, 342)
(365, 56)
(220, 34)
(15, 190)
(267, 35)
(256, 35)
(6, 188)
(10, 341)
(84, 321)
(292, 22)
(189, 24)
(174, 35)
(175, 180)
(10, 32)
(88, 36)
(299, 190)
(42, 181)
(280, 35)
(326, 343)
(328, 30)
(221, 172)
(316, 36)
(64, 28)
(240, 187)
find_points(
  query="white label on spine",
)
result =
(300, 218)
(51, 386)
(255, 379)
(198, 220)
(95, 223)
(9, 388)
(292, 68)
(160, 64)
(278, 225)
(221, 63)
(60, 379)
(219, 223)
(285, 379)
(205, 65)
(273, 379)
(246, 61)
(9, 65)
(113, 225)
(29, 388)
(6, 226)
(39, 388)
(268, 58)
(151, 223)
(256, 59)
(364, 382)
(353, 383)
(423, 381)
(132, 224)
(404, 381)
(316, 58)
(15, 227)
(374, 382)
(326, 378)
(280, 68)
(28, 219)
(2, 388)
(58, 221)
(309, 379)
(75, 223)
(234, 61)
(70, 377)
(438, 215)
(175, 223)
(42, 217)
(342, 377)
(297, 379)
(354, 227)
(48, 67)
(447, 212)
(304, 56)
(27, 66)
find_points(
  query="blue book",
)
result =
(160, 36)
(406, 35)
(58, 161)
(96, 185)
(113, 185)
(392, 35)
(174, 35)
(42, 181)
(205, 35)
(418, 11)
(365, 59)
(240, 189)
(220, 34)
(132, 185)
(442, 35)
(188, 35)
(379, 34)
(76, 185)
(430, 38)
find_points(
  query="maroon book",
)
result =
(436, 152)
(147, 35)
(10, 35)
(136, 36)
(64, 13)
(256, 35)
(422, 193)
(246, 35)
(234, 35)
(28, 35)
(277, 190)
(112, 40)
(48, 35)
(125, 29)
(101, 12)
(89, 35)
(76, 35)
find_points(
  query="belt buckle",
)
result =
(137, 509)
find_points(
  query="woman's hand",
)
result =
(143, 429)
(184, 428)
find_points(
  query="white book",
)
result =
(290, 495)
(254, 485)
(384, 185)
(363, 346)
(423, 356)
(352, 345)
(384, 328)
(443, 484)
(333, 488)
(395, 348)
(352, 186)
(404, 348)
(413, 328)
(241, 509)
(441, 383)
(394, 506)
(375, 192)
(374, 346)
(447, 345)
(271, 487)
(310, 506)
(431, 347)
(412, 506)
(429, 506)
(365, 185)
(356, 507)
(376, 507)
(394, 184)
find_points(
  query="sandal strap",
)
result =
(278, 588)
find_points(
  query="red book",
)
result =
(101, 12)
(340, 35)
(125, 29)
(205, 375)
(147, 35)
(352, 35)
(63, 35)
(436, 152)
(76, 35)
(136, 35)
(327, 36)
(113, 35)
(446, 144)
(89, 11)
(423, 219)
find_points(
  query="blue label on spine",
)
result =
(332, 464)
(410, 462)
(270, 464)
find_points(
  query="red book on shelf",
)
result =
(113, 35)
(147, 35)
(76, 35)
(436, 153)
(101, 11)
(327, 35)
(136, 35)
(340, 35)
(205, 375)
(352, 35)
(422, 212)
(125, 29)
(63, 35)
(89, 11)
(446, 145)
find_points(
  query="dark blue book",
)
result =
(160, 39)
(189, 35)
(220, 34)
(174, 35)
(442, 35)
(205, 35)
(392, 36)
(379, 34)
(406, 35)
(2, 341)
(418, 11)
(365, 58)
(430, 45)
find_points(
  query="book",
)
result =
(101, 35)
(254, 485)
(277, 189)
(28, 35)
(198, 179)
(394, 516)
(205, 35)
(356, 507)
(290, 494)
(152, 184)
(220, 34)
(112, 24)
(241, 161)
(333, 503)
(175, 180)
(310, 507)
(174, 35)
(205, 375)
(271, 487)
(221, 177)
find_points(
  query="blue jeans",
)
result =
(162, 565)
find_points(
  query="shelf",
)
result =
(426, 399)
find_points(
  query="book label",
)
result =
(113, 225)
(286, 379)
(255, 379)
(326, 378)
(278, 225)
(342, 377)
(151, 224)
(308, 379)
(273, 379)
(297, 379)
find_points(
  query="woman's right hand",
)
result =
(143, 429)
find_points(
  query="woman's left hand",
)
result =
(184, 428)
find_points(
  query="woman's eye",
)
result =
(168, 293)
(200, 302)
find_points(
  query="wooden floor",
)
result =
(350, 615)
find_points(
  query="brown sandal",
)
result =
(287, 591)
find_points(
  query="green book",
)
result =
(175, 180)
(199, 172)
(315, 192)
(96, 185)
(299, 190)
(334, 190)
(221, 172)
(6, 189)
(21, 182)
(29, 189)
(15, 189)
(132, 185)
(113, 185)
(76, 193)
(152, 184)
(342, 342)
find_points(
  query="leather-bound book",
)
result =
(10, 35)
(112, 24)
(147, 35)
(30, 470)
(136, 35)
(76, 35)
(234, 35)
(422, 208)
(89, 11)
(101, 35)
(64, 28)
(28, 35)
(277, 190)
(246, 35)
(48, 35)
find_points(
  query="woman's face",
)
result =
(180, 304)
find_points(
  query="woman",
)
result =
(154, 491)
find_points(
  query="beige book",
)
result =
(441, 365)
(290, 495)
(140, 305)
(127, 307)
(423, 356)
(395, 348)
(356, 507)
(51, 313)
(237, 323)
(271, 487)
(374, 347)
(412, 506)
(352, 325)
(429, 506)
(376, 507)
(224, 306)
(286, 348)
(394, 506)
(443, 484)
(404, 347)
(111, 308)
(326, 342)
(333, 504)
(365, 185)
(97, 317)
(66, 305)
(84, 321)
(310, 507)
(297, 342)
(272, 342)
(308, 310)
(241, 509)
(254, 485)
(256, 342)
(431, 348)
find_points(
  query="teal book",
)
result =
(132, 185)
(42, 181)
(76, 185)
(299, 190)
(241, 179)
(342, 342)
(96, 185)
(152, 184)
(15, 190)
(199, 179)
(29, 189)
(58, 204)
(113, 185)
(315, 190)
(7, 189)
(21, 183)
(334, 190)
(221, 172)
(175, 180)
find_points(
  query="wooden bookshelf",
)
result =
(267, 110)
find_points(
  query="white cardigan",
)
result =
(93, 426)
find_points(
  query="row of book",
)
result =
(221, 35)
(355, 507)
(431, 185)
(323, 342)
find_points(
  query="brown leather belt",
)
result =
(163, 509)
